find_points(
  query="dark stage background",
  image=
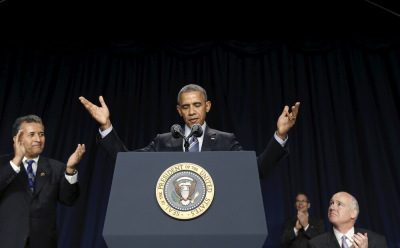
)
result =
(346, 137)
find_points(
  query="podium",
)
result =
(235, 217)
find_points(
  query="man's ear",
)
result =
(208, 106)
(354, 213)
(179, 110)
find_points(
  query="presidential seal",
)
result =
(185, 191)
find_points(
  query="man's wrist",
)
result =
(281, 136)
(106, 126)
(17, 161)
(70, 171)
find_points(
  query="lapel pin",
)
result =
(42, 174)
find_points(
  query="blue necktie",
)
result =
(31, 175)
(344, 244)
(194, 145)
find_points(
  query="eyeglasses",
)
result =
(302, 201)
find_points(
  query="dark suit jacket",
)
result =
(213, 140)
(288, 238)
(25, 213)
(328, 239)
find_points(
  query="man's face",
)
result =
(193, 108)
(32, 139)
(302, 203)
(339, 211)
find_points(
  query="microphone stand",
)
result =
(187, 141)
(176, 131)
(186, 144)
(196, 134)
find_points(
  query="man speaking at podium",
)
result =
(193, 106)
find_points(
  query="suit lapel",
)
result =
(23, 179)
(42, 174)
(209, 139)
(332, 241)
(177, 144)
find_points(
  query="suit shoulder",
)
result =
(315, 219)
(5, 157)
(370, 233)
(322, 238)
(217, 132)
(164, 136)
(51, 161)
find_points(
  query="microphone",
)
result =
(176, 131)
(196, 131)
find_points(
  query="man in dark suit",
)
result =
(30, 187)
(342, 213)
(297, 231)
(193, 106)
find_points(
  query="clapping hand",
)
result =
(75, 158)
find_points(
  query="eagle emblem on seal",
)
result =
(184, 189)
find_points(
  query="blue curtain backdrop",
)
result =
(346, 137)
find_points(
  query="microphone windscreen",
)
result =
(197, 130)
(176, 131)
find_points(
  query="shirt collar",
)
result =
(34, 159)
(187, 130)
(339, 235)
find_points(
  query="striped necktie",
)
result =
(194, 144)
(31, 175)
(344, 243)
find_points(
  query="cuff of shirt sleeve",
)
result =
(16, 168)
(104, 133)
(282, 142)
(72, 178)
(295, 231)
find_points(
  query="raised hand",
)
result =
(298, 225)
(100, 114)
(286, 120)
(19, 149)
(302, 218)
(360, 241)
(75, 158)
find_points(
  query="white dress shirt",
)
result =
(349, 234)
(71, 179)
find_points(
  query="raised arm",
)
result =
(100, 114)
(286, 120)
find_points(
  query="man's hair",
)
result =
(354, 206)
(191, 88)
(28, 119)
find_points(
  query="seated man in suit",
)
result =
(31, 186)
(342, 213)
(193, 106)
(297, 231)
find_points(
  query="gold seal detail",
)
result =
(185, 191)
